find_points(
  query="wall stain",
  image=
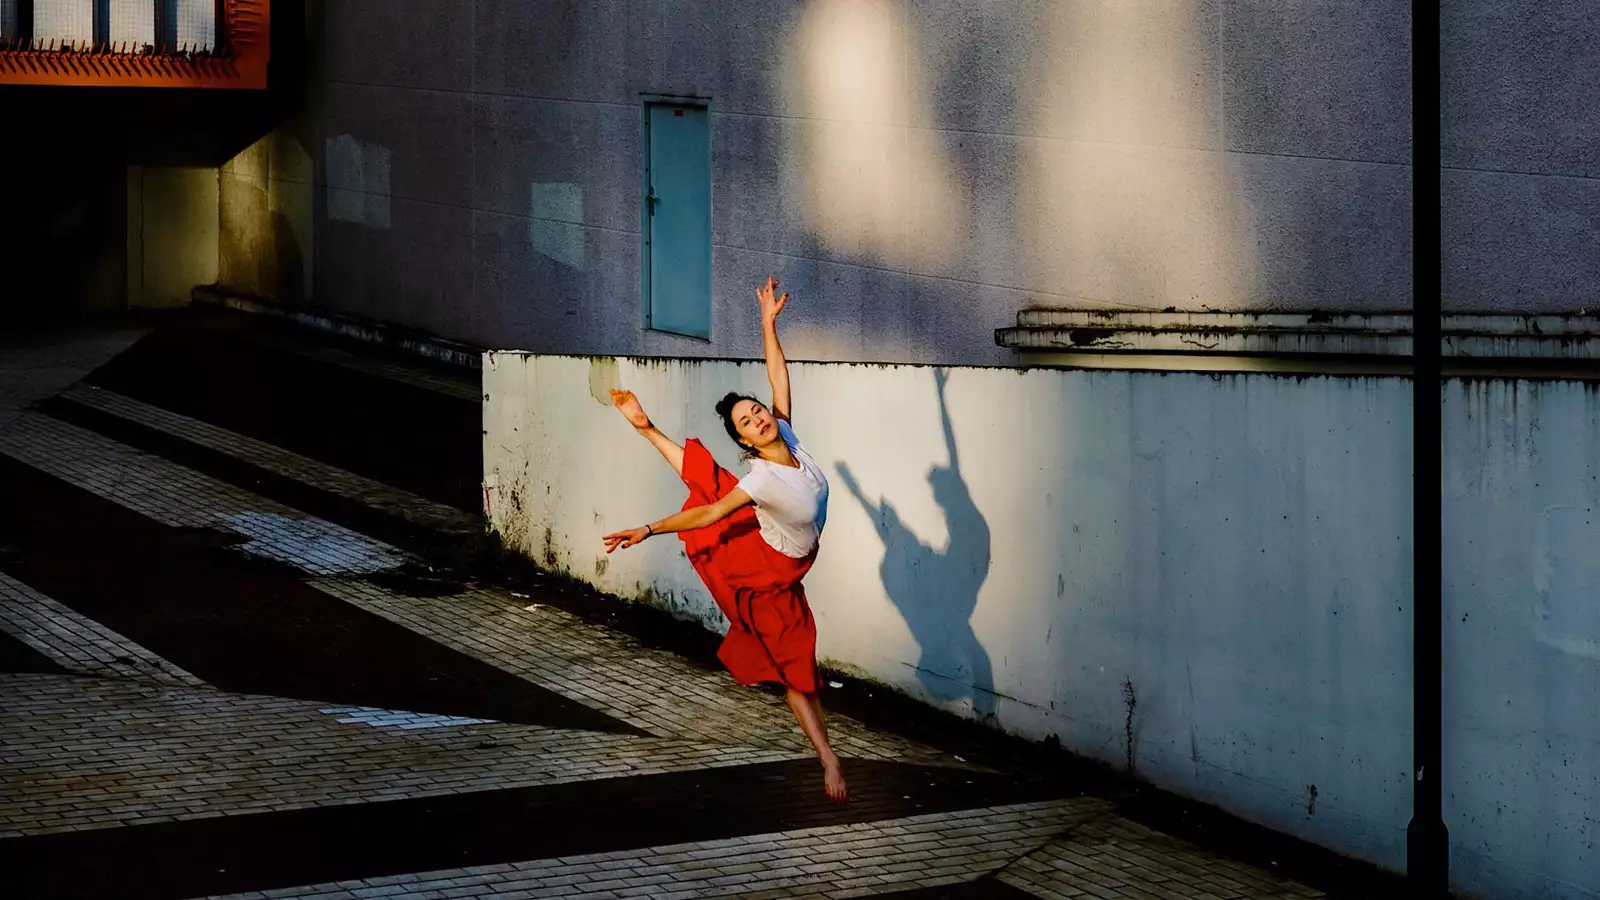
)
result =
(1130, 703)
(604, 376)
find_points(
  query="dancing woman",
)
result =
(753, 539)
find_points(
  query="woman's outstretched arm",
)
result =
(772, 303)
(687, 520)
(628, 405)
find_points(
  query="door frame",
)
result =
(645, 102)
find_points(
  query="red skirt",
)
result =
(771, 634)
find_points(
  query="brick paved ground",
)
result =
(174, 737)
(34, 366)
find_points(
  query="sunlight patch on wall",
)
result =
(856, 160)
(1131, 202)
(822, 340)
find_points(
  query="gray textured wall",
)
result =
(914, 170)
(1521, 185)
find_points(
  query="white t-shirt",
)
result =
(791, 503)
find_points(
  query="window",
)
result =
(136, 43)
(133, 27)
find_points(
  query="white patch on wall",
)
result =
(1566, 616)
(555, 229)
(312, 545)
(398, 718)
(133, 22)
(358, 181)
(63, 22)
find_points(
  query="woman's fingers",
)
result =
(768, 292)
(624, 539)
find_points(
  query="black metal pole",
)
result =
(1427, 839)
(166, 25)
(102, 23)
(25, 22)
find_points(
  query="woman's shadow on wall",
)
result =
(936, 591)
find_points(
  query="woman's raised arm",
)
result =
(772, 303)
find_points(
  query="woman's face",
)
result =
(756, 424)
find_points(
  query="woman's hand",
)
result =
(627, 404)
(772, 302)
(626, 539)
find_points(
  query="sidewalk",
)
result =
(245, 651)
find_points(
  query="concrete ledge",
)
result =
(1466, 336)
(370, 331)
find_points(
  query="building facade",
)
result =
(915, 173)
(574, 185)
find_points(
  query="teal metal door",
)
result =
(677, 219)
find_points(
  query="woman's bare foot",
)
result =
(627, 404)
(833, 781)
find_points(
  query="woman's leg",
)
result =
(807, 709)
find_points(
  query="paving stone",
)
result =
(79, 644)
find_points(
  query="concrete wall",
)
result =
(1234, 547)
(172, 236)
(1237, 154)
(1199, 538)
(1522, 637)
(914, 171)
(1521, 183)
(267, 239)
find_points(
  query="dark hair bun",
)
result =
(726, 404)
(725, 410)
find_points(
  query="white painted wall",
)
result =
(1522, 637)
(1237, 546)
